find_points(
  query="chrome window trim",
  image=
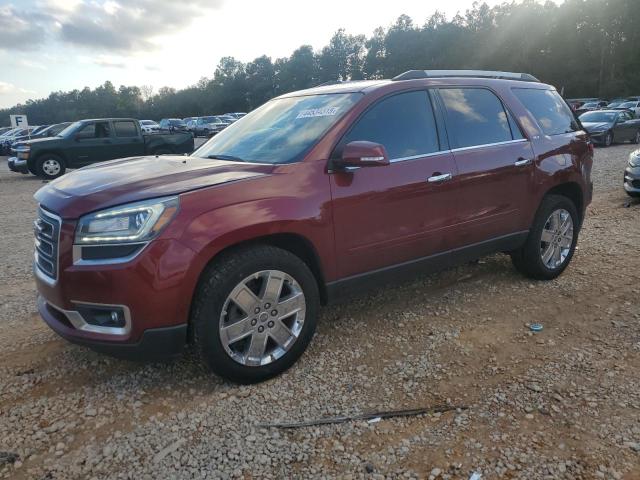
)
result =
(79, 323)
(415, 157)
(485, 145)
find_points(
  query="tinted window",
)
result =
(403, 123)
(475, 116)
(549, 109)
(94, 130)
(126, 129)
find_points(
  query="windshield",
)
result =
(590, 105)
(628, 105)
(608, 117)
(281, 131)
(176, 123)
(70, 129)
(208, 119)
(614, 104)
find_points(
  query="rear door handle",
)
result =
(522, 162)
(443, 177)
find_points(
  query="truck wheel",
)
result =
(254, 313)
(50, 166)
(551, 241)
(608, 140)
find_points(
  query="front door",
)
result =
(495, 165)
(92, 143)
(388, 215)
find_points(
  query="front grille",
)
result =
(635, 183)
(46, 230)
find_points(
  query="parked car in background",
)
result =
(172, 124)
(91, 141)
(610, 126)
(209, 126)
(189, 119)
(46, 132)
(149, 126)
(319, 194)
(590, 106)
(633, 106)
(227, 118)
(632, 175)
(237, 115)
(191, 125)
(4, 130)
(9, 137)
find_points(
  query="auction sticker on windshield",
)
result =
(318, 112)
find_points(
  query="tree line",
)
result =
(584, 47)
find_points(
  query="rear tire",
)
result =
(551, 241)
(50, 166)
(242, 277)
(636, 138)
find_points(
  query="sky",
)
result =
(50, 45)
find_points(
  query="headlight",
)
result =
(634, 159)
(134, 222)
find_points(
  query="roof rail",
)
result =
(415, 74)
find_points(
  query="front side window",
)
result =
(475, 116)
(281, 131)
(549, 109)
(404, 124)
(94, 130)
(125, 129)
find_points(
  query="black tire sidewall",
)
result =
(209, 307)
(40, 171)
(531, 252)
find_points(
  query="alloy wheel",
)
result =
(556, 239)
(51, 167)
(262, 318)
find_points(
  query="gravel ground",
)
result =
(563, 403)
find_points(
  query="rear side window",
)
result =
(549, 109)
(403, 123)
(475, 116)
(126, 129)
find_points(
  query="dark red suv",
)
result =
(312, 196)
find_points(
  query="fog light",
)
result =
(110, 317)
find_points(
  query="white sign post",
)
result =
(19, 121)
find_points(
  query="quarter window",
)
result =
(126, 129)
(475, 116)
(403, 123)
(549, 109)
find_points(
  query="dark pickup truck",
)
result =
(91, 141)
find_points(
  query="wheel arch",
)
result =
(294, 243)
(573, 192)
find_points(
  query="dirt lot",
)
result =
(563, 403)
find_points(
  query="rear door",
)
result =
(92, 143)
(127, 141)
(388, 215)
(494, 163)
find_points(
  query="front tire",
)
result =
(255, 312)
(608, 140)
(636, 138)
(50, 166)
(552, 240)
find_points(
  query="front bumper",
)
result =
(17, 165)
(154, 288)
(632, 179)
(154, 344)
(598, 137)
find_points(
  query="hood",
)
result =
(127, 180)
(595, 126)
(37, 141)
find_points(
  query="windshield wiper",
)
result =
(225, 157)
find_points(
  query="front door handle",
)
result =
(440, 177)
(523, 161)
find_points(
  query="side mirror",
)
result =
(363, 154)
